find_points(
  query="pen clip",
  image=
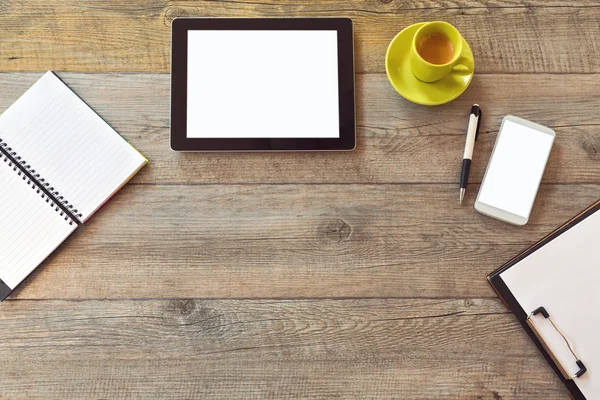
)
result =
(478, 121)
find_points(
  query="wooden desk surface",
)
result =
(337, 275)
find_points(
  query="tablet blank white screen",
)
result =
(262, 84)
(516, 168)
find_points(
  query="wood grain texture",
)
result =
(223, 349)
(100, 36)
(293, 241)
(398, 142)
(304, 276)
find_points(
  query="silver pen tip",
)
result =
(462, 194)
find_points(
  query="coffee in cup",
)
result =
(437, 50)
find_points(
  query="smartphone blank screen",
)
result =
(516, 168)
(263, 84)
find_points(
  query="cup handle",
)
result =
(464, 66)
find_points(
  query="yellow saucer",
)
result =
(397, 67)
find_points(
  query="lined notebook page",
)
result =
(30, 229)
(563, 277)
(69, 145)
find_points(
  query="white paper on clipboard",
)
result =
(564, 277)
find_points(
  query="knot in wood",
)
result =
(337, 230)
(184, 307)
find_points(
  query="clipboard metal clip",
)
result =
(582, 367)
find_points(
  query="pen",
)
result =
(472, 133)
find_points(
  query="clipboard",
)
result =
(526, 318)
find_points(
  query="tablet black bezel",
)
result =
(179, 139)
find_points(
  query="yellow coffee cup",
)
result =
(427, 71)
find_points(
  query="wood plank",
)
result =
(222, 349)
(293, 241)
(94, 36)
(398, 141)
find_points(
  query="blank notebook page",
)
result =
(30, 228)
(69, 145)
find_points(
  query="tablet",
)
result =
(262, 84)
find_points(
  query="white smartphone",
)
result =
(515, 170)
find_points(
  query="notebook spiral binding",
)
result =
(43, 188)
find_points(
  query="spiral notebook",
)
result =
(552, 288)
(59, 163)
